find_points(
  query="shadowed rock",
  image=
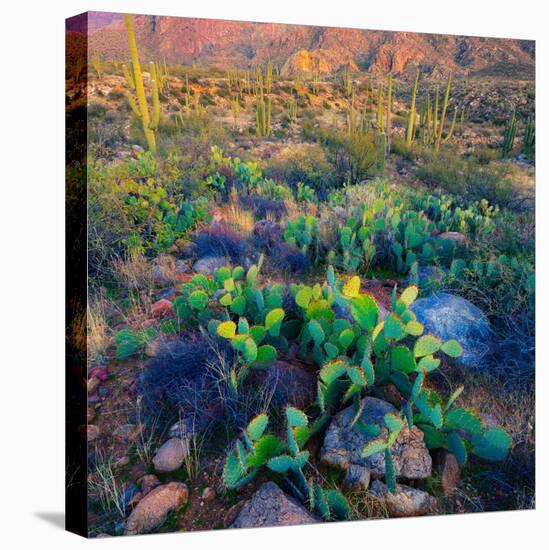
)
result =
(343, 445)
(269, 507)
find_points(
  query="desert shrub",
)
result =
(467, 178)
(283, 258)
(221, 241)
(174, 383)
(191, 146)
(401, 148)
(137, 207)
(306, 163)
(263, 207)
(486, 155)
(352, 156)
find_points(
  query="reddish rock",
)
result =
(162, 308)
(152, 510)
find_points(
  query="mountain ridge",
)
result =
(244, 45)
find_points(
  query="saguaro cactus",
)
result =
(529, 136)
(140, 108)
(412, 116)
(443, 115)
(389, 109)
(509, 136)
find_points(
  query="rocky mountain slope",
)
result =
(296, 48)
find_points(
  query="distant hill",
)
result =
(296, 48)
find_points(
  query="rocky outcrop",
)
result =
(269, 507)
(343, 445)
(452, 317)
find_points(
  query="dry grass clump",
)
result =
(97, 330)
(133, 272)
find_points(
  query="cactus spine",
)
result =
(412, 115)
(140, 108)
(509, 136)
(443, 115)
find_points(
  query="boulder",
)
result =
(407, 501)
(152, 510)
(269, 507)
(343, 445)
(207, 264)
(171, 455)
(449, 316)
(289, 383)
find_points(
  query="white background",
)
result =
(32, 260)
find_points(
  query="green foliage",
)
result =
(129, 343)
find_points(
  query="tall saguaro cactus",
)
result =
(389, 109)
(412, 116)
(443, 115)
(140, 108)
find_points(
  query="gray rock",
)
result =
(449, 316)
(207, 264)
(269, 507)
(407, 501)
(343, 445)
(171, 455)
